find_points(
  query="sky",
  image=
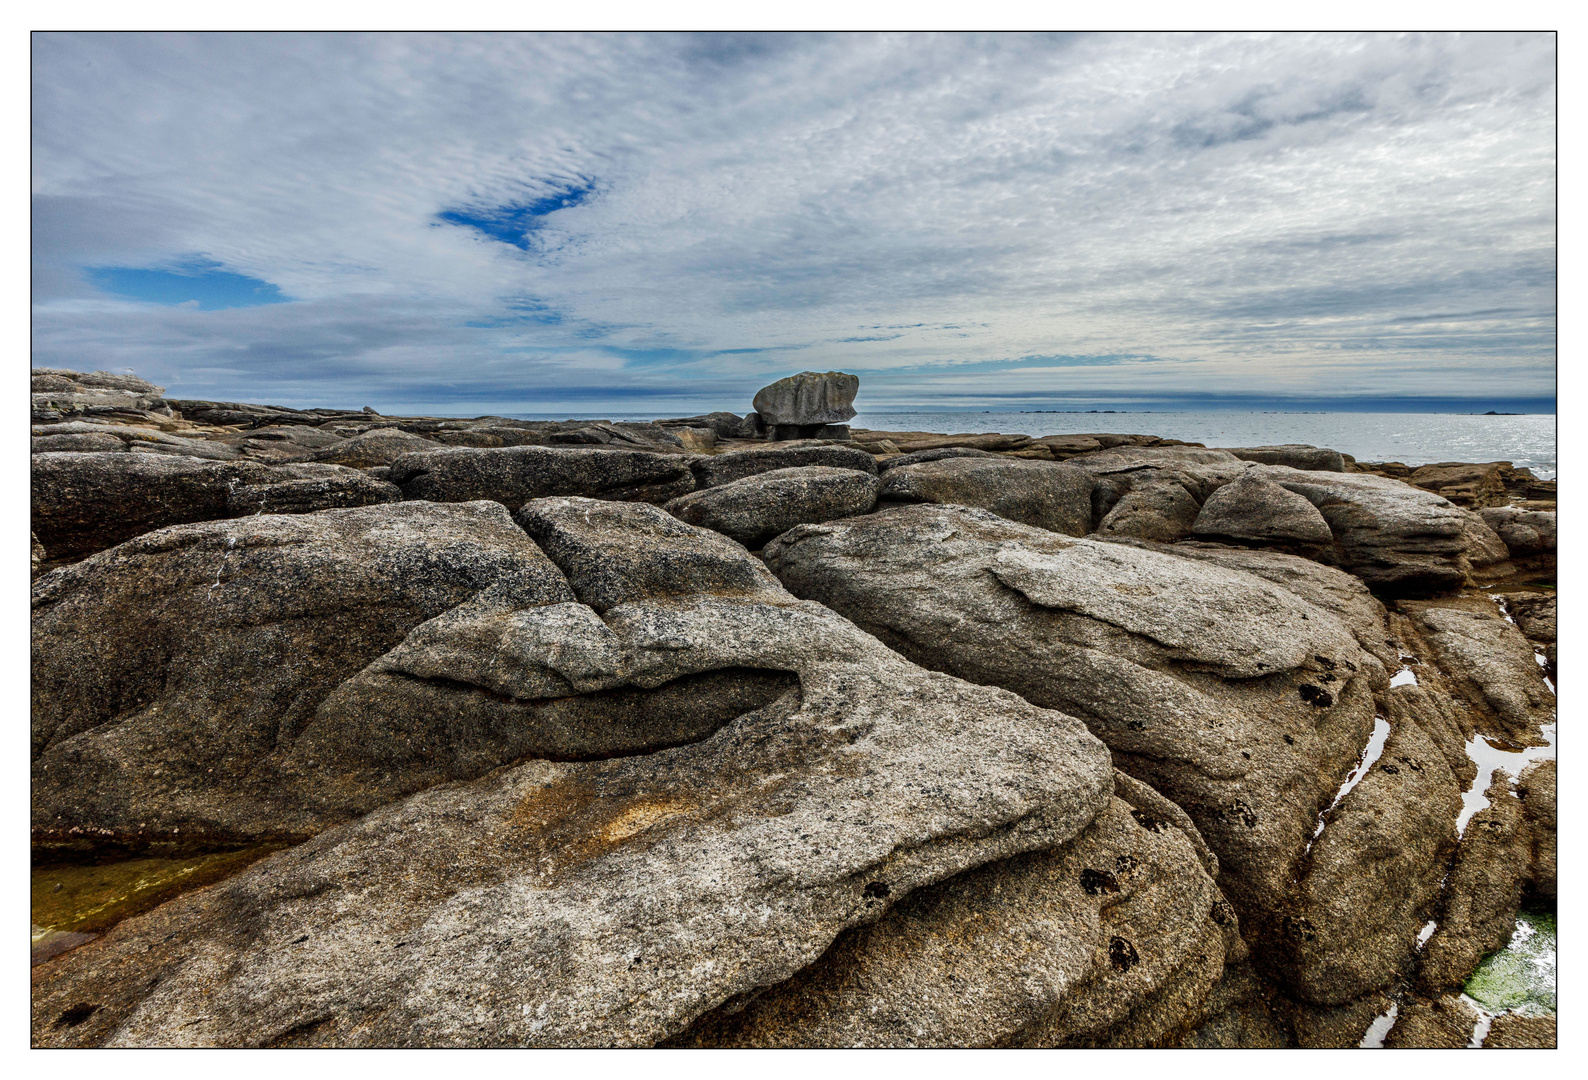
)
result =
(566, 224)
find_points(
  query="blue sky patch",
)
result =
(200, 280)
(513, 223)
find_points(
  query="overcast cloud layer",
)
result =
(664, 223)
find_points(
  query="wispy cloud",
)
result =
(506, 220)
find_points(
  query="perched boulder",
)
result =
(1250, 508)
(380, 446)
(604, 902)
(515, 475)
(1048, 496)
(167, 671)
(1055, 948)
(737, 464)
(1292, 455)
(809, 398)
(83, 503)
(1238, 700)
(757, 508)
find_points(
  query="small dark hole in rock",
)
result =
(1124, 864)
(1148, 822)
(1098, 881)
(301, 940)
(1289, 741)
(1315, 695)
(1136, 725)
(77, 1014)
(1122, 954)
(878, 889)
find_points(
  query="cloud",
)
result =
(573, 220)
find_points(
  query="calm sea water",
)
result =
(1412, 438)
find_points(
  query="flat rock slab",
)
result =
(757, 508)
(1047, 495)
(514, 475)
(87, 502)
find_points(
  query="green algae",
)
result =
(86, 899)
(1521, 976)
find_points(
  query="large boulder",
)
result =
(757, 508)
(1162, 511)
(1399, 539)
(171, 672)
(1250, 508)
(87, 502)
(600, 902)
(380, 446)
(1245, 704)
(514, 475)
(734, 465)
(1047, 495)
(1293, 455)
(1525, 532)
(1062, 947)
(809, 398)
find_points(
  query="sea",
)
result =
(1526, 440)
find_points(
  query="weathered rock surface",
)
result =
(1241, 702)
(1478, 907)
(1292, 455)
(605, 902)
(171, 672)
(83, 503)
(1525, 532)
(1250, 508)
(1113, 939)
(1153, 511)
(1049, 496)
(811, 397)
(734, 465)
(514, 475)
(1443, 1024)
(381, 446)
(919, 456)
(58, 390)
(80, 437)
(757, 508)
(1514, 1032)
(1473, 486)
(1537, 789)
(1488, 661)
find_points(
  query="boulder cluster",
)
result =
(765, 731)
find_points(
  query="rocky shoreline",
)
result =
(763, 730)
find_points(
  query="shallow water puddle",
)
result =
(72, 902)
(1492, 755)
(1380, 1027)
(1519, 978)
(1370, 755)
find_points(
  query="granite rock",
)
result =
(757, 508)
(1046, 495)
(811, 397)
(724, 468)
(514, 475)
